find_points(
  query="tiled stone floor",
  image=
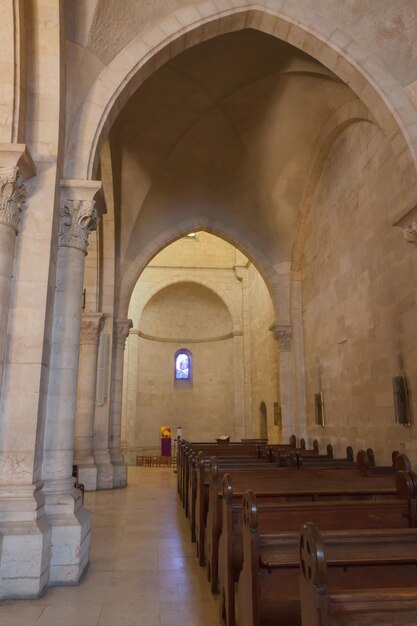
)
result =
(143, 569)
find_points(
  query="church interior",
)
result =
(208, 338)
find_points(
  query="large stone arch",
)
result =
(133, 271)
(298, 25)
(186, 276)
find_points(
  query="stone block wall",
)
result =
(359, 300)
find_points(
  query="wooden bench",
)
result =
(288, 484)
(268, 591)
(275, 450)
(365, 461)
(230, 550)
(303, 461)
(197, 497)
(199, 479)
(198, 487)
(230, 450)
(186, 449)
(207, 517)
(355, 578)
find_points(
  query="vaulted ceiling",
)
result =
(225, 133)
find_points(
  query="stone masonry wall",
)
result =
(359, 301)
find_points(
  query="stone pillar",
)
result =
(91, 324)
(69, 520)
(16, 166)
(283, 335)
(120, 334)
(24, 529)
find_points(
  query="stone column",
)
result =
(69, 520)
(283, 335)
(16, 166)
(120, 334)
(24, 529)
(91, 324)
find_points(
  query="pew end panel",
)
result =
(343, 583)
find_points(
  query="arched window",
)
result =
(183, 364)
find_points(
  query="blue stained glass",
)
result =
(182, 366)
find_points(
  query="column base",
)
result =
(105, 469)
(119, 475)
(119, 470)
(87, 476)
(25, 543)
(70, 532)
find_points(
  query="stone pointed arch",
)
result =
(214, 227)
(298, 25)
(350, 113)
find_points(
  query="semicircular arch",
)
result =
(186, 276)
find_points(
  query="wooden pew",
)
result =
(365, 461)
(268, 591)
(198, 480)
(276, 450)
(229, 450)
(198, 494)
(185, 448)
(230, 557)
(247, 453)
(303, 461)
(197, 498)
(205, 525)
(288, 484)
(351, 578)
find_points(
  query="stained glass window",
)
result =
(182, 365)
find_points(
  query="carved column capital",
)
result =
(410, 233)
(16, 166)
(77, 219)
(12, 196)
(91, 326)
(283, 335)
(121, 332)
(78, 215)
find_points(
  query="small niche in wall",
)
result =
(263, 421)
(277, 415)
(401, 400)
(319, 408)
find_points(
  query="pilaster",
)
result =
(120, 333)
(91, 325)
(283, 335)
